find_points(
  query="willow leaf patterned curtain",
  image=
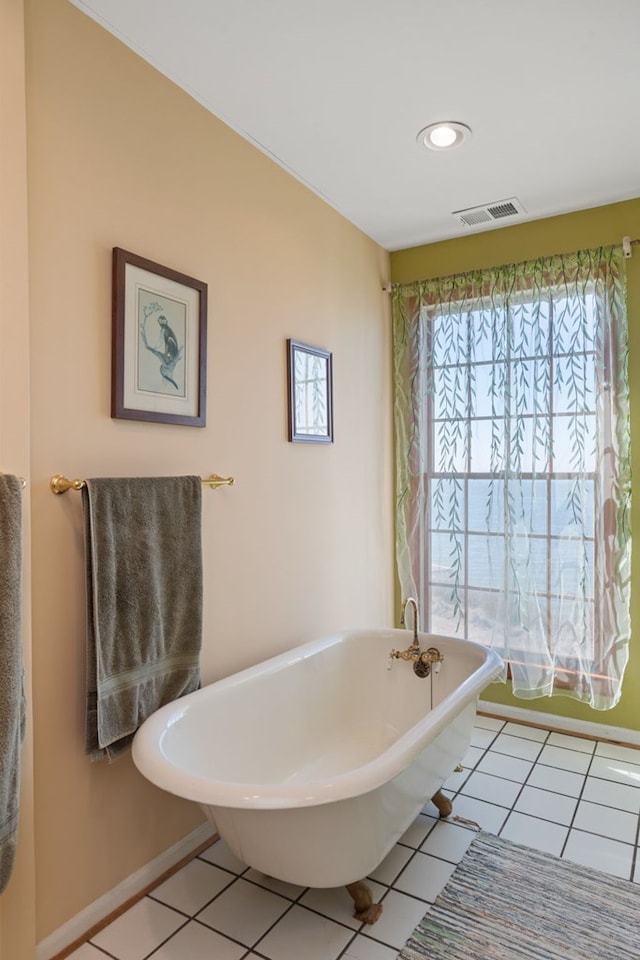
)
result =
(513, 466)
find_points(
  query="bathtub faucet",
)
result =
(416, 620)
(422, 660)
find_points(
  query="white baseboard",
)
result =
(586, 728)
(78, 926)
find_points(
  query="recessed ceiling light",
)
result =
(444, 135)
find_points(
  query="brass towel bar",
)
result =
(60, 483)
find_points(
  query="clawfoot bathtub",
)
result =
(312, 764)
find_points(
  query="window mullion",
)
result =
(550, 472)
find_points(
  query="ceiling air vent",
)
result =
(489, 212)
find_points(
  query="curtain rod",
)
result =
(60, 483)
(627, 244)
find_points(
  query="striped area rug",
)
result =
(509, 902)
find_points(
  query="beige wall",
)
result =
(17, 904)
(118, 156)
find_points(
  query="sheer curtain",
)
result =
(513, 466)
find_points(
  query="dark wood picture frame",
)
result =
(310, 393)
(159, 343)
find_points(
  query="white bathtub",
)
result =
(312, 764)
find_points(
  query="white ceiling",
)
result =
(335, 91)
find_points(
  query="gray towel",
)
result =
(144, 602)
(12, 707)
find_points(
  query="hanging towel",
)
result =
(144, 602)
(12, 706)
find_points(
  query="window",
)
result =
(513, 466)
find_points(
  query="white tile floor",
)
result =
(572, 797)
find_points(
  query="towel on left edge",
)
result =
(12, 706)
(144, 601)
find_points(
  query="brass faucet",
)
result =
(422, 659)
(416, 619)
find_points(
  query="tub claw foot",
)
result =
(366, 910)
(443, 803)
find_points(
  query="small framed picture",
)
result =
(310, 389)
(159, 343)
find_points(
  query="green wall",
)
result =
(599, 226)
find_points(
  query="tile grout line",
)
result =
(250, 948)
(524, 783)
(106, 953)
(149, 956)
(634, 855)
(578, 800)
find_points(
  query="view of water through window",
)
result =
(512, 455)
